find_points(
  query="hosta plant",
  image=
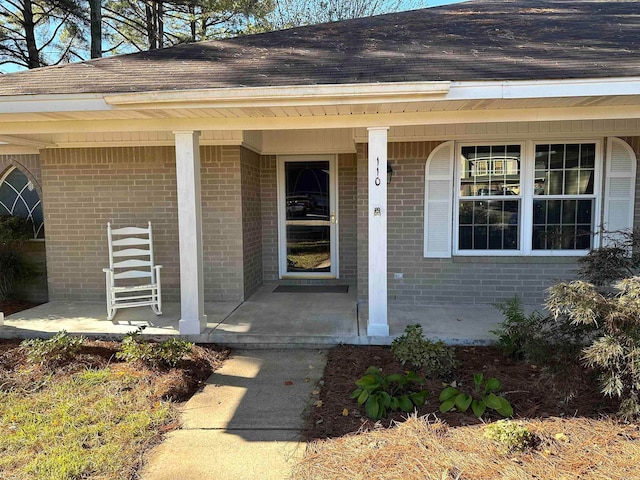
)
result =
(412, 347)
(395, 392)
(482, 397)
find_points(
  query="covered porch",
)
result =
(266, 318)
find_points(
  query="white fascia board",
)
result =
(378, 93)
(343, 94)
(511, 90)
(53, 103)
(347, 94)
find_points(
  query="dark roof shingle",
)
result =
(478, 40)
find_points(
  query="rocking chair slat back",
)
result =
(139, 267)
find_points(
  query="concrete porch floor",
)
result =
(266, 318)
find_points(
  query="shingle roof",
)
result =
(478, 40)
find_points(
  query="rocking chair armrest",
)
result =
(157, 267)
(107, 270)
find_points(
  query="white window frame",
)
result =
(526, 197)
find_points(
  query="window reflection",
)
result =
(19, 198)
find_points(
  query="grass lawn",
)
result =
(91, 417)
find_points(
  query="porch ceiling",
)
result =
(153, 124)
(328, 110)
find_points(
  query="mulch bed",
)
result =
(566, 390)
(9, 307)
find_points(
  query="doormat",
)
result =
(312, 289)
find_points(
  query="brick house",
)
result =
(460, 154)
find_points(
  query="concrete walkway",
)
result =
(246, 422)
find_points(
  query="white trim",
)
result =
(344, 94)
(53, 103)
(521, 89)
(526, 198)
(341, 94)
(15, 127)
(281, 212)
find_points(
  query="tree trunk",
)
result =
(151, 31)
(30, 35)
(192, 22)
(96, 28)
(160, 20)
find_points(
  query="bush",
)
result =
(155, 354)
(395, 392)
(435, 357)
(536, 338)
(55, 351)
(619, 259)
(14, 268)
(607, 300)
(509, 435)
(615, 351)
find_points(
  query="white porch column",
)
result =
(192, 318)
(378, 324)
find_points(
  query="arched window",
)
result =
(19, 198)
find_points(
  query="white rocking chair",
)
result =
(125, 243)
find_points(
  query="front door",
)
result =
(307, 217)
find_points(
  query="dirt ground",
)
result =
(563, 391)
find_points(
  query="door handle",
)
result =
(333, 218)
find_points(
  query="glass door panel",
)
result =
(309, 217)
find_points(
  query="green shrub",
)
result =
(14, 268)
(482, 397)
(607, 300)
(536, 338)
(510, 436)
(168, 353)
(395, 392)
(54, 351)
(619, 259)
(435, 357)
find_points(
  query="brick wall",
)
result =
(86, 188)
(468, 280)
(269, 209)
(222, 223)
(251, 221)
(347, 221)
